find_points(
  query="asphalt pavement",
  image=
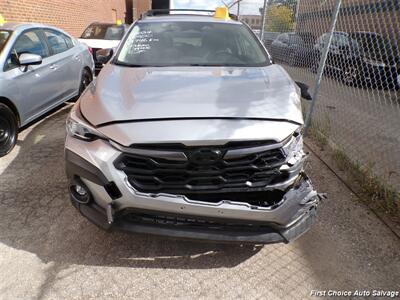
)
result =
(48, 251)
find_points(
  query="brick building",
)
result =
(381, 16)
(74, 15)
(140, 6)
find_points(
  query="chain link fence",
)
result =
(352, 46)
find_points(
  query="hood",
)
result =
(99, 44)
(123, 94)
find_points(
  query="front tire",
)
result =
(8, 129)
(86, 79)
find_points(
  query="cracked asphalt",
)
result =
(48, 251)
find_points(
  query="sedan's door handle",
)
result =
(76, 57)
(53, 67)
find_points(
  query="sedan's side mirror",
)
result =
(305, 94)
(104, 55)
(27, 59)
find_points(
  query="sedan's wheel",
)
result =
(8, 130)
(351, 76)
(85, 81)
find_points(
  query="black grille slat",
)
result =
(188, 172)
(163, 175)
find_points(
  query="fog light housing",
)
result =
(79, 191)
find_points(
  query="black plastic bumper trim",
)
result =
(77, 166)
(97, 216)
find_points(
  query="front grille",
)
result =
(202, 169)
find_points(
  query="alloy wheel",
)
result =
(8, 130)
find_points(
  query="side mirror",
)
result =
(104, 55)
(304, 90)
(27, 59)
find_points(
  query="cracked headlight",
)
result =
(79, 128)
(294, 148)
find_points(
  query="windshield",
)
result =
(4, 35)
(103, 32)
(191, 44)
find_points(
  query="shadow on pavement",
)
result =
(36, 216)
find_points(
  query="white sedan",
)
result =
(102, 36)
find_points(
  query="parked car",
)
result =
(40, 68)
(361, 58)
(257, 32)
(268, 38)
(296, 49)
(102, 36)
(190, 131)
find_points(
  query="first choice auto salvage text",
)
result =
(355, 293)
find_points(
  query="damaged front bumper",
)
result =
(193, 227)
(115, 205)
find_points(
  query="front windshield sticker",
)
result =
(142, 41)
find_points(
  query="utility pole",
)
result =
(297, 15)
(264, 12)
(238, 9)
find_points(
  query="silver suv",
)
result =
(191, 132)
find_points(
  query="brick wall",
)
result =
(140, 6)
(72, 16)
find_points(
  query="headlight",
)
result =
(374, 63)
(294, 148)
(79, 128)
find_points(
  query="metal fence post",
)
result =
(297, 15)
(263, 20)
(321, 66)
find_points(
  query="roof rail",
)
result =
(181, 11)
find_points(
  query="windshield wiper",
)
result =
(120, 63)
